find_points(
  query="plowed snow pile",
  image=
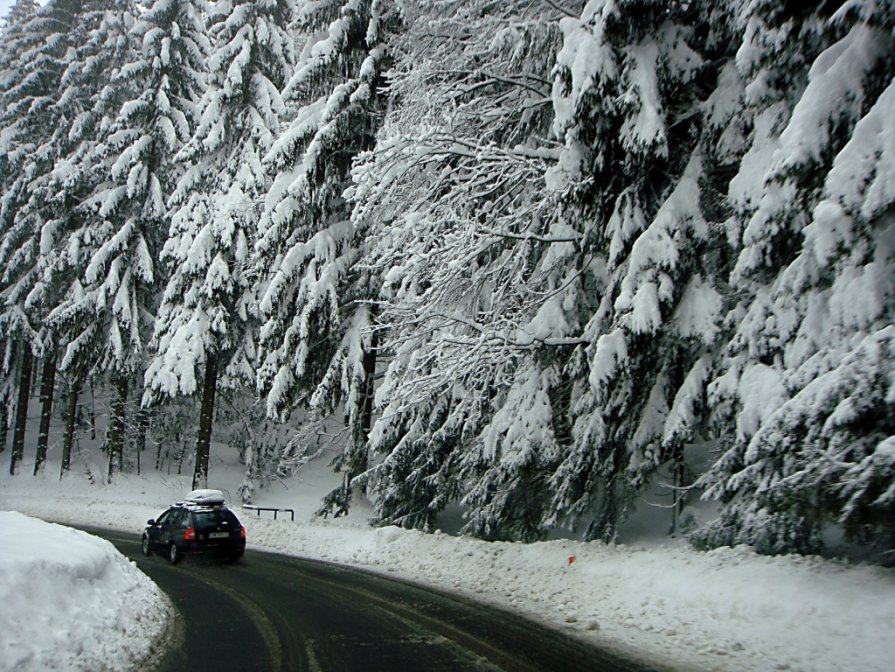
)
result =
(71, 601)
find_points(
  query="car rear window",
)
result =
(213, 518)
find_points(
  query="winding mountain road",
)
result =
(281, 614)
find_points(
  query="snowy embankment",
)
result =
(728, 609)
(72, 602)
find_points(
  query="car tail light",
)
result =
(242, 531)
(190, 534)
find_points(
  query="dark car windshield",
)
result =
(213, 518)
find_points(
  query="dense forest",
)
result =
(526, 253)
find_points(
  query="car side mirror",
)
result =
(151, 521)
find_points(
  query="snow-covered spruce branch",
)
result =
(450, 144)
(490, 78)
(549, 240)
(247, 423)
(499, 112)
(295, 454)
(437, 147)
(678, 493)
(562, 10)
(502, 338)
(667, 507)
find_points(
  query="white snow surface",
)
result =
(652, 597)
(72, 602)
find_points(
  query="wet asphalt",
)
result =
(275, 613)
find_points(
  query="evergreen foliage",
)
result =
(32, 212)
(316, 344)
(19, 36)
(632, 96)
(149, 115)
(206, 305)
(206, 310)
(34, 60)
(529, 253)
(806, 381)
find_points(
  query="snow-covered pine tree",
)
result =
(634, 106)
(317, 347)
(15, 40)
(807, 392)
(205, 318)
(148, 108)
(89, 99)
(29, 74)
(474, 268)
(34, 125)
(17, 37)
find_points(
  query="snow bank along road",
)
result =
(69, 601)
(272, 612)
(727, 610)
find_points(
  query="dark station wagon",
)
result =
(199, 525)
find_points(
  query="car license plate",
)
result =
(218, 535)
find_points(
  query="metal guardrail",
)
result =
(259, 509)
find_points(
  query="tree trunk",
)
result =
(47, 388)
(92, 412)
(206, 415)
(116, 427)
(71, 415)
(142, 428)
(679, 493)
(366, 419)
(18, 436)
(356, 462)
(4, 421)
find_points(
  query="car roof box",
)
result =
(206, 497)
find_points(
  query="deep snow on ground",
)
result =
(71, 601)
(653, 598)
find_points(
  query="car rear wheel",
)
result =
(147, 549)
(173, 554)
